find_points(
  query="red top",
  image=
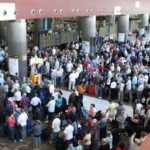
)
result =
(85, 64)
(11, 122)
(101, 68)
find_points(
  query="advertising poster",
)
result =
(86, 46)
(13, 66)
(121, 37)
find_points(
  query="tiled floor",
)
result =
(100, 104)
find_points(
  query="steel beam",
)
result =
(29, 9)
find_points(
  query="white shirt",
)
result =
(76, 46)
(146, 78)
(128, 85)
(113, 85)
(53, 51)
(121, 86)
(35, 101)
(88, 138)
(109, 140)
(51, 88)
(17, 96)
(56, 125)
(77, 73)
(22, 119)
(139, 107)
(15, 86)
(59, 73)
(56, 64)
(72, 77)
(69, 67)
(51, 106)
(69, 132)
(140, 88)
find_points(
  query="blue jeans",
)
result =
(58, 81)
(101, 91)
(37, 140)
(75, 127)
(12, 133)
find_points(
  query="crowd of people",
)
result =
(117, 71)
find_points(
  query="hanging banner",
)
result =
(13, 66)
(121, 37)
(86, 46)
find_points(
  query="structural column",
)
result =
(17, 43)
(123, 25)
(144, 20)
(3, 33)
(88, 26)
(111, 22)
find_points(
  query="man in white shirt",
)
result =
(68, 132)
(69, 66)
(51, 88)
(128, 89)
(53, 51)
(59, 76)
(72, 81)
(56, 123)
(35, 102)
(1, 80)
(51, 107)
(15, 86)
(22, 122)
(77, 46)
(121, 91)
(138, 107)
(17, 96)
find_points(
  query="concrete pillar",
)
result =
(123, 24)
(3, 32)
(111, 19)
(17, 43)
(110, 22)
(144, 20)
(88, 26)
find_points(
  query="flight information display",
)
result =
(56, 37)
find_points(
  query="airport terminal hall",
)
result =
(74, 74)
